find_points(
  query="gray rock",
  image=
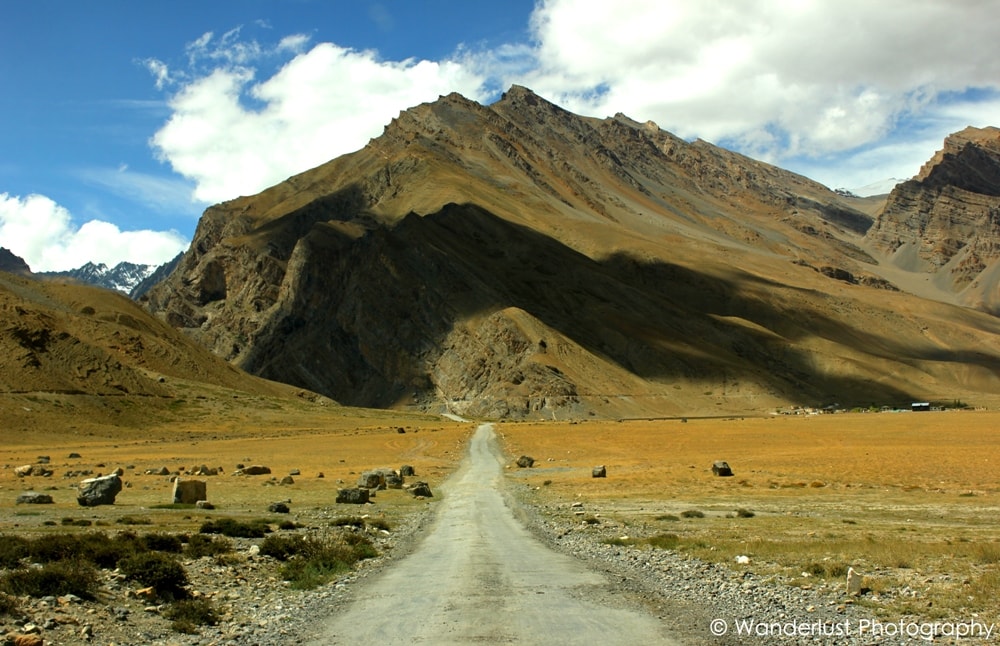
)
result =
(34, 498)
(371, 480)
(599, 472)
(253, 470)
(288, 480)
(204, 504)
(721, 469)
(394, 481)
(356, 496)
(189, 492)
(99, 491)
(407, 471)
(421, 489)
(525, 461)
(278, 508)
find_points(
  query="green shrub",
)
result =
(156, 569)
(744, 513)
(9, 606)
(163, 543)
(664, 541)
(75, 522)
(53, 579)
(199, 545)
(133, 520)
(318, 561)
(235, 528)
(283, 547)
(186, 615)
(12, 550)
(670, 517)
(692, 513)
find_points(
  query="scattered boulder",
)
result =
(24, 640)
(295, 472)
(44, 459)
(401, 430)
(189, 492)
(278, 508)
(371, 480)
(252, 470)
(525, 461)
(599, 472)
(204, 470)
(34, 498)
(162, 471)
(854, 580)
(24, 471)
(99, 491)
(421, 489)
(288, 480)
(204, 504)
(721, 469)
(407, 471)
(74, 456)
(355, 496)
(394, 481)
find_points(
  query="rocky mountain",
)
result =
(13, 264)
(123, 277)
(944, 224)
(518, 260)
(158, 274)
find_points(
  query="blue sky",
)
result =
(122, 120)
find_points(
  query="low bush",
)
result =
(235, 528)
(283, 547)
(9, 606)
(52, 580)
(692, 513)
(312, 562)
(199, 545)
(187, 615)
(664, 541)
(133, 520)
(157, 570)
(348, 521)
(670, 517)
(12, 550)
(163, 543)
(744, 513)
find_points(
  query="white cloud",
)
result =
(165, 195)
(42, 232)
(801, 83)
(234, 136)
(778, 80)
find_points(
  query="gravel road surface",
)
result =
(479, 576)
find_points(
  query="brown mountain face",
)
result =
(13, 264)
(98, 357)
(944, 224)
(517, 260)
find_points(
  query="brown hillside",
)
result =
(519, 260)
(101, 360)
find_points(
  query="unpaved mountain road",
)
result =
(480, 577)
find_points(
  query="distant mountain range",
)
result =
(130, 278)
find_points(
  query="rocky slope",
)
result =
(123, 277)
(519, 260)
(945, 222)
(12, 263)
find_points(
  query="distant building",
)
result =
(920, 406)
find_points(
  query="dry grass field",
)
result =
(280, 433)
(908, 499)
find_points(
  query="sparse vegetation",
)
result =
(53, 579)
(199, 545)
(692, 513)
(157, 570)
(187, 615)
(237, 529)
(310, 562)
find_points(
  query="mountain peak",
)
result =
(12, 263)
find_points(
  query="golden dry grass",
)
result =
(281, 433)
(910, 499)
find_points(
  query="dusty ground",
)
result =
(909, 499)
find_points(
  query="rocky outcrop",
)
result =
(13, 264)
(946, 220)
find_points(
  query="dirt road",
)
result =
(480, 577)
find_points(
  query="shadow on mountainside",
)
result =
(370, 312)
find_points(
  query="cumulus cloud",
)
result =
(232, 134)
(42, 232)
(807, 84)
(778, 80)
